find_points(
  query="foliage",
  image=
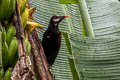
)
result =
(94, 58)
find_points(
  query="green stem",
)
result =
(71, 59)
(86, 18)
(0, 47)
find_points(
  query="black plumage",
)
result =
(52, 39)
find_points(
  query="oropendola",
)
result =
(52, 39)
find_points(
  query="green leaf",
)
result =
(61, 68)
(70, 58)
(96, 58)
(104, 16)
(67, 42)
(68, 1)
(75, 74)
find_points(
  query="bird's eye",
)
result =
(57, 16)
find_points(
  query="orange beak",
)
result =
(66, 16)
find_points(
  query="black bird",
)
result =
(52, 39)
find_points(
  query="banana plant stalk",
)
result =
(0, 47)
(86, 18)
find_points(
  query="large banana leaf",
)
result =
(46, 9)
(105, 18)
(97, 58)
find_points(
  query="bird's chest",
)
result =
(53, 39)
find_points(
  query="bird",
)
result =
(51, 41)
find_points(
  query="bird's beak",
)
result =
(66, 16)
(62, 17)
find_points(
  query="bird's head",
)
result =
(57, 19)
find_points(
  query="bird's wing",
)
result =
(59, 40)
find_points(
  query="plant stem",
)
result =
(0, 47)
(86, 18)
(71, 59)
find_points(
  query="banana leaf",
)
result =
(91, 64)
(67, 1)
(96, 58)
(45, 9)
